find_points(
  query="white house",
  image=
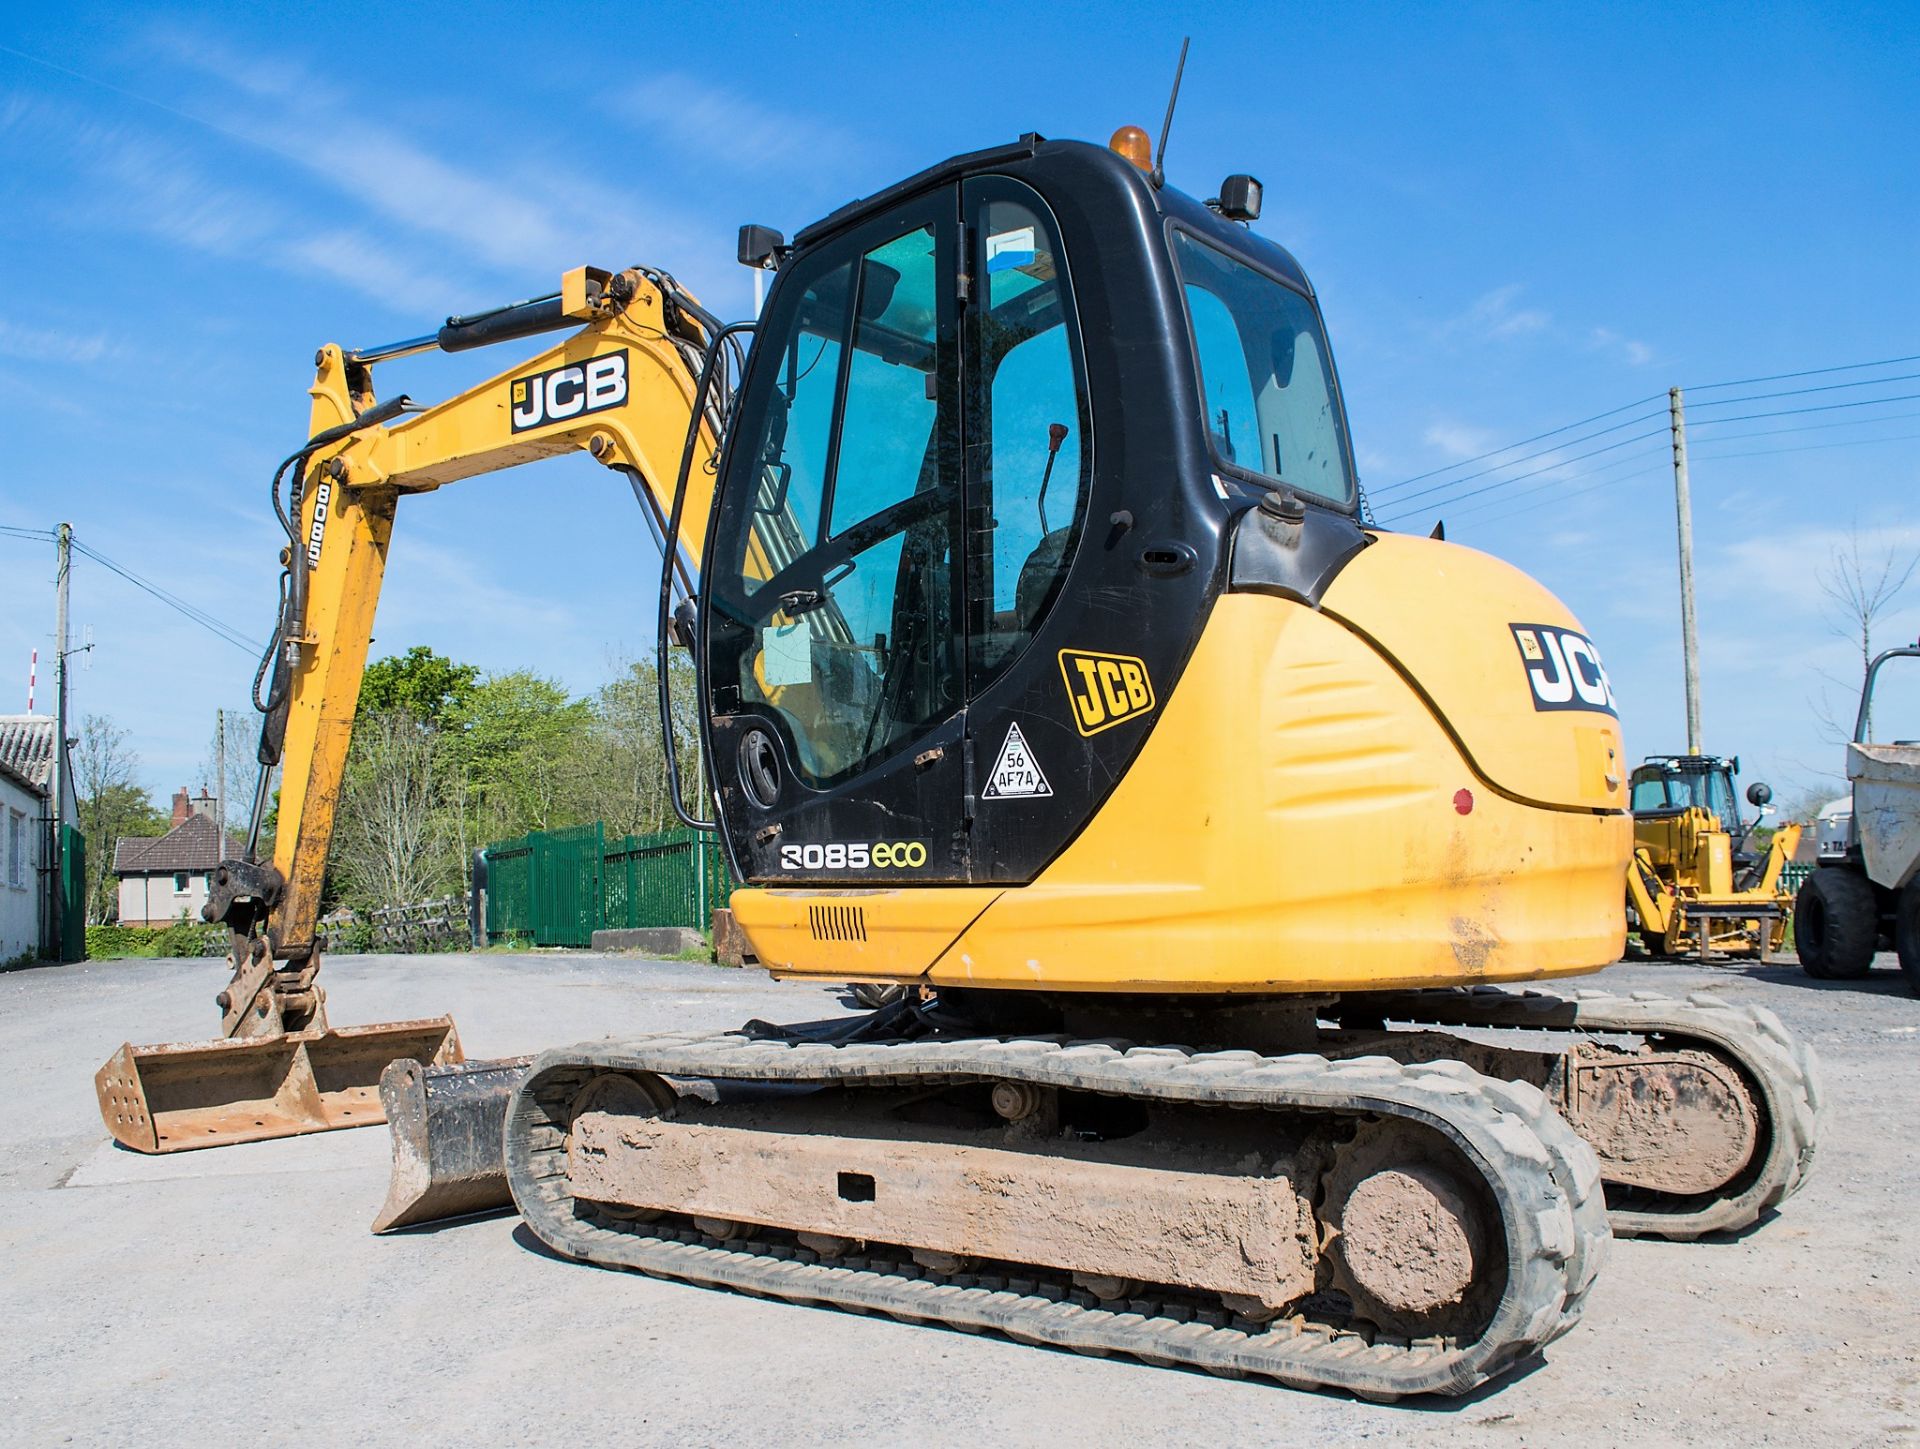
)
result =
(23, 834)
(27, 886)
(165, 877)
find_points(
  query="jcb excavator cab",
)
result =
(1014, 435)
(926, 450)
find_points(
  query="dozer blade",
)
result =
(182, 1095)
(445, 1124)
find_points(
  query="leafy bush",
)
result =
(182, 938)
(354, 939)
(107, 942)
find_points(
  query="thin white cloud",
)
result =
(137, 181)
(1634, 354)
(514, 215)
(1458, 440)
(50, 344)
(702, 121)
(1496, 316)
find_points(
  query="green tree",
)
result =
(111, 805)
(428, 686)
(518, 742)
(391, 841)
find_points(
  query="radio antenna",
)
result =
(1160, 156)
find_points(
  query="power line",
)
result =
(1603, 483)
(1390, 488)
(1727, 402)
(1809, 447)
(173, 601)
(1522, 477)
(1537, 437)
(1516, 462)
(1815, 427)
(1820, 408)
(39, 535)
(1630, 459)
(1636, 460)
(1809, 372)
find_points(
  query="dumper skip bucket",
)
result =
(183, 1095)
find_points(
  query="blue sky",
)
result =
(1517, 217)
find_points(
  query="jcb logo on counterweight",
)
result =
(1563, 669)
(1104, 689)
(561, 393)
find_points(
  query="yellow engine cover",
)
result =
(1331, 800)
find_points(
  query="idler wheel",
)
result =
(1407, 1234)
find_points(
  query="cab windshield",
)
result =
(1675, 788)
(1265, 374)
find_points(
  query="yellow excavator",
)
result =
(1697, 888)
(1046, 665)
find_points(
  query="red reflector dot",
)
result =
(1463, 801)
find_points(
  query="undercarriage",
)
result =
(1385, 1194)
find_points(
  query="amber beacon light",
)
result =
(1132, 142)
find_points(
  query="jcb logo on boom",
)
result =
(561, 393)
(1563, 669)
(1104, 689)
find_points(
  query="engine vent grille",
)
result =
(838, 923)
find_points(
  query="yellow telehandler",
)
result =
(1697, 887)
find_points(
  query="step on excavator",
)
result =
(1048, 666)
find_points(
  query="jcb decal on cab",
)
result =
(1563, 669)
(1104, 689)
(572, 391)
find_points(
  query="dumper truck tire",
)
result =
(1906, 933)
(1836, 922)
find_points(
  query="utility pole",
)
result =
(220, 776)
(1683, 507)
(56, 885)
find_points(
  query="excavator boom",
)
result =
(622, 387)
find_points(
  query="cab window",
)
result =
(1266, 376)
(1028, 424)
(832, 596)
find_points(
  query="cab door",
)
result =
(1043, 687)
(833, 628)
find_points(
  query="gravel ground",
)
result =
(235, 1293)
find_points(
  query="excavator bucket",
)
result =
(182, 1095)
(446, 1124)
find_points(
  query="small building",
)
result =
(28, 888)
(165, 877)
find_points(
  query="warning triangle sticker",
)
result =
(1016, 774)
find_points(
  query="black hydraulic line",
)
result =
(293, 591)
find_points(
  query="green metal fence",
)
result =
(557, 887)
(73, 895)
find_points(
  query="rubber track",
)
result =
(1785, 1071)
(1545, 1179)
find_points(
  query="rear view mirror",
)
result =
(1758, 794)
